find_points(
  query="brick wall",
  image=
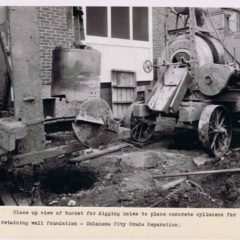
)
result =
(158, 30)
(159, 36)
(54, 31)
(159, 19)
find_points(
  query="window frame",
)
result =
(128, 22)
(117, 41)
(104, 27)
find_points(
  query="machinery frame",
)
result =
(197, 86)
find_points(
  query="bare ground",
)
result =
(128, 177)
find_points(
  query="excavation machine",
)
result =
(198, 84)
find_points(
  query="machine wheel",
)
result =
(141, 128)
(215, 130)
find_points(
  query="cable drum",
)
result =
(208, 49)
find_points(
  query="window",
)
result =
(140, 23)
(97, 21)
(114, 22)
(120, 22)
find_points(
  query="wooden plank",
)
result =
(39, 156)
(123, 87)
(98, 153)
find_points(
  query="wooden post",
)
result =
(27, 84)
(192, 31)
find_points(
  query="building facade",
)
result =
(125, 36)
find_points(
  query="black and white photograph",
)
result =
(120, 106)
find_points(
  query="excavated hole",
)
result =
(67, 179)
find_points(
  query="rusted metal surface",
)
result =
(25, 59)
(141, 110)
(164, 95)
(91, 124)
(78, 26)
(215, 130)
(76, 73)
(147, 66)
(182, 44)
(141, 127)
(190, 111)
(213, 78)
(180, 92)
(194, 73)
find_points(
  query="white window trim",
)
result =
(117, 41)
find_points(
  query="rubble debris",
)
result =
(138, 180)
(72, 203)
(172, 184)
(150, 159)
(203, 159)
(118, 184)
(230, 190)
(53, 203)
(189, 182)
(146, 159)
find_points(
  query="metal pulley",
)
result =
(213, 78)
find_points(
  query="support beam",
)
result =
(27, 84)
(37, 157)
(98, 153)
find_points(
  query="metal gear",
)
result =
(215, 53)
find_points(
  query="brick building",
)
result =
(124, 44)
(54, 31)
(57, 29)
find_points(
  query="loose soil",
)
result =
(127, 178)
